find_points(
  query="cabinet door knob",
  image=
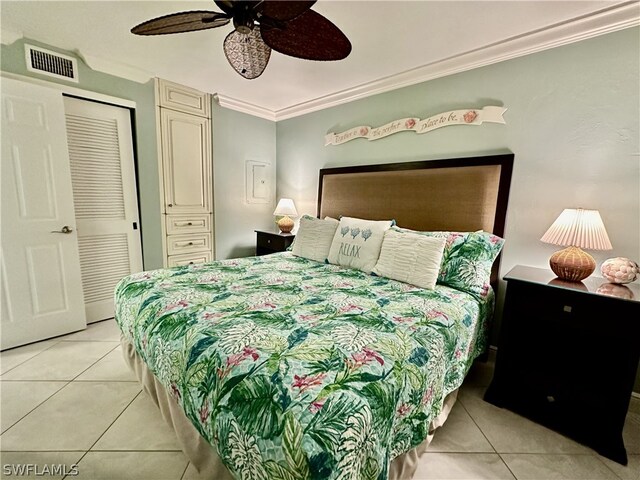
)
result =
(190, 243)
(189, 223)
(566, 308)
(170, 205)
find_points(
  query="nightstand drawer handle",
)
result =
(566, 308)
(551, 398)
(268, 241)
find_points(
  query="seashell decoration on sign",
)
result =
(620, 270)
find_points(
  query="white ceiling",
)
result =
(388, 38)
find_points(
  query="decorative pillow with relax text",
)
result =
(410, 258)
(357, 242)
(467, 259)
(314, 237)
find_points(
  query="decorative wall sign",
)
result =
(455, 117)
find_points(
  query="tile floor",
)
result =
(72, 400)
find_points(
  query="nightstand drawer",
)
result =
(184, 224)
(542, 304)
(177, 244)
(271, 242)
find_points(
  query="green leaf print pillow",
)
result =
(467, 260)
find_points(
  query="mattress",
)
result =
(291, 368)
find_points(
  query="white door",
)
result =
(40, 282)
(104, 193)
(186, 162)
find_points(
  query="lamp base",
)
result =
(572, 264)
(285, 224)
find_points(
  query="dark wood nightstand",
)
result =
(568, 355)
(272, 242)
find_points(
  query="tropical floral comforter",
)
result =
(294, 369)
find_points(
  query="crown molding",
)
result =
(611, 19)
(115, 68)
(244, 107)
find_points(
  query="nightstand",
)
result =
(568, 355)
(272, 242)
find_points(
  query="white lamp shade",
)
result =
(286, 207)
(578, 228)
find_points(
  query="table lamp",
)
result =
(285, 208)
(576, 229)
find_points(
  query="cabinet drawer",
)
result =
(199, 242)
(182, 224)
(182, 98)
(189, 259)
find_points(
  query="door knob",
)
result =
(64, 229)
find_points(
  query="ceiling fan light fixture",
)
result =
(247, 53)
(243, 22)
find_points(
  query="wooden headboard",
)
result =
(460, 194)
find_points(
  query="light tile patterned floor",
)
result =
(72, 400)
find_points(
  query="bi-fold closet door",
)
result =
(69, 211)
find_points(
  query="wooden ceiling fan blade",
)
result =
(225, 5)
(247, 53)
(309, 36)
(284, 10)
(181, 22)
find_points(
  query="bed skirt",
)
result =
(204, 457)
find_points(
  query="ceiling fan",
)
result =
(286, 26)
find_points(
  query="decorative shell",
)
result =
(620, 270)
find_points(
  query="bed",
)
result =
(279, 367)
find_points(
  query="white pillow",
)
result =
(357, 242)
(410, 258)
(314, 237)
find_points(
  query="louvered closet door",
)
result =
(104, 195)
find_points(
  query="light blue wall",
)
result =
(238, 138)
(572, 123)
(13, 61)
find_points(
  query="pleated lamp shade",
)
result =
(576, 228)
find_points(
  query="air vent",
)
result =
(51, 63)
